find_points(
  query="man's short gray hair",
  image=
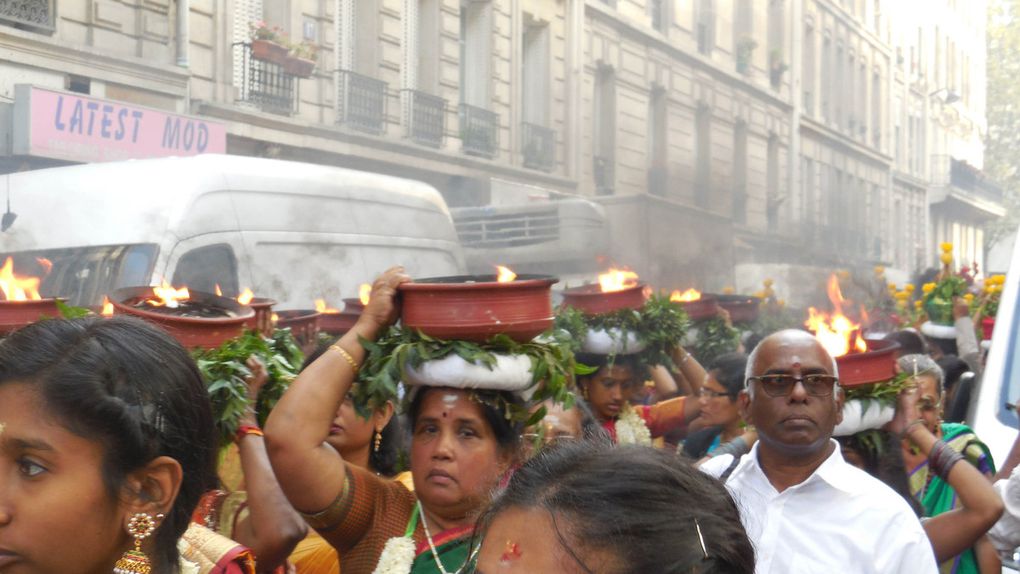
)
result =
(753, 358)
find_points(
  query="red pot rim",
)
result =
(475, 282)
(877, 365)
(244, 312)
(297, 314)
(259, 303)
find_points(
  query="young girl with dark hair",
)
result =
(588, 507)
(106, 445)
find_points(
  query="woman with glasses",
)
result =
(720, 414)
(928, 470)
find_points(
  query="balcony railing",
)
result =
(266, 85)
(424, 118)
(35, 15)
(362, 102)
(538, 145)
(947, 170)
(527, 225)
(605, 175)
(479, 131)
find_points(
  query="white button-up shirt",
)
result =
(840, 520)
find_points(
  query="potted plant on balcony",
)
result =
(301, 61)
(745, 50)
(268, 44)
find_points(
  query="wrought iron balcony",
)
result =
(361, 104)
(605, 175)
(424, 118)
(35, 15)
(538, 145)
(479, 131)
(266, 85)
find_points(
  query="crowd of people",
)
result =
(108, 463)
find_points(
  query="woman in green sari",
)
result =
(931, 490)
(460, 448)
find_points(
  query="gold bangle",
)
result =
(347, 356)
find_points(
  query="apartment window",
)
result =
(604, 131)
(658, 144)
(807, 191)
(475, 52)
(743, 34)
(659, 11)
(740, 172)
(851, 116)
(245, 12)
(836, 87)
(876, 109)
(31, 15)
(538, 145)
(862, 101)
(703, 155)
(808, 70)
(825, 90)
(777, 56)
(706, 26)
(772, 199)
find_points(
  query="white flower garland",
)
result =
(631, 428)
(397, 556)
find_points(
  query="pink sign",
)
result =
(78, 128)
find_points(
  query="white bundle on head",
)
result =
(612, 342)
(510, 373)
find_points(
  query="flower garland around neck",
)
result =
(631, 428)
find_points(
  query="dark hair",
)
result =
(385, 460)
(507, 432)
(128, 386)
(590, 427)
(730, 370)
(911, 342)
(648, 509)
(883, 458)
(952, 368)
(599, 362)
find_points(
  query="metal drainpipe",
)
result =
(183, 10)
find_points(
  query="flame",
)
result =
(687, 296)
(218, 291)
(167, 296)
(836, 332)
(18, 288)
(274, 318)
(365, 293)
(107, 307)
(322, 307)
(505, 274)
(245, 297)
(617, 280)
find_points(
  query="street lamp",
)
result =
(951, 97)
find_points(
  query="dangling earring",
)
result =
(135, 561)
(378, 440)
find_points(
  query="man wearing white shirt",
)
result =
(806, 509)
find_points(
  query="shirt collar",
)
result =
(833, 470)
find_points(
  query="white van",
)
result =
(989, 416)
(291, 231)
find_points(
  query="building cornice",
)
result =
(843, 143)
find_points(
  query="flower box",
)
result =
(299, 67)
(269, 51)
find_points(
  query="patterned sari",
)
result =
(937, 496)
(214, 554)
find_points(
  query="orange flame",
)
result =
(167, 296)
(617, 280)
(274, 318)
(246, 296)
(46, 263)
(687, 296)
(322, 307)
(365, 293)
(218, 291)
(18, 288)
(107, 307)
(836, 332)
(505, 274)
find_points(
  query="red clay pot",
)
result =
(339, 323)
(742, 308)
(206, 333)
(987, 327)
(303, 324)
(875, 366)
(263, 319)
(16, 314)
(590, 300)
(705, 308)
(477, 307)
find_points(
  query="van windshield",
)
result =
(84, 275)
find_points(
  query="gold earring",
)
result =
(378, 440)
(134, 561)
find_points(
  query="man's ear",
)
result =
(744, 406)
(153, 488)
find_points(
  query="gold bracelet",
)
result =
(347, 356)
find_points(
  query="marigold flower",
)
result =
(927, 288)
(879, 270)
(946, 247)
(909, 288)
(946, 258)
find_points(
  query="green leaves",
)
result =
(224, 370)
(715, 338)
(884, 392)
(552, 365)
(71, 312)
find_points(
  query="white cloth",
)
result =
(841, 519)
(1005, 535)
